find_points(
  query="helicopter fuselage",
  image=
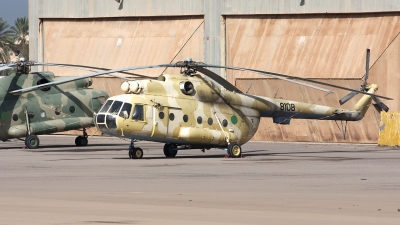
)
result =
(193, 110)
(65, 107)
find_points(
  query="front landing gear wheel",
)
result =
(135, 153)
(81, 141)
(234, 150)
(168, 150)
(32, 141)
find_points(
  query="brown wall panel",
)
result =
(385, 72)
(122, 42)
(315, 46)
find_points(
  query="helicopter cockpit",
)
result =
(106, 118)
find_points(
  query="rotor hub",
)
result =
(188, 67)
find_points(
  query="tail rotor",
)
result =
(364, 88)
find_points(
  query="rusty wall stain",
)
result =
(122, 42)
(389, 134)
(313, 46)
(385, 72)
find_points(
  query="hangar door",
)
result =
(122, 42)
(325, 46)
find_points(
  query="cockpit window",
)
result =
(106, 106)
(115, 107)
(125, 110)
(138, 113)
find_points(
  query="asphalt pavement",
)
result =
(275, 183)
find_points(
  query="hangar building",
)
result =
(321, 39)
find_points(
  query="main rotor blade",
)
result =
(291, 77)
(30, 63)
(348, 97)
(217, 78)
(228, 86)
(54, 83)
(89, 67)
(380, 103)
(4, 67)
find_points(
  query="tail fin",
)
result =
(363, 104)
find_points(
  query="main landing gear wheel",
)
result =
(234, 150)
(168, 150)
(135, 153)
(81, 141)
(32, 141)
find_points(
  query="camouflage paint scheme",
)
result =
(226, 116)
(64, 107)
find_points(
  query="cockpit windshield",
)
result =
(112, 107)
(106, 106)
(115, 107)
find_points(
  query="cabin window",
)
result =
(57, 111)
(171, 116)
(161, 115)
(199, 120)
(210, 121)
(138, 113)
(72, 109)
(185, 118)
(225, 123)
(15, 117)
(125, 110)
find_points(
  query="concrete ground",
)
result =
(276, 183)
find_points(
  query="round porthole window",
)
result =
(199, 120)
(57, 111)
(210, 121)
(185, 118)
(171, 116)
(225, 123)
(161, 115)
(15, 117)
(72, 109)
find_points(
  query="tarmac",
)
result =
(275, 183)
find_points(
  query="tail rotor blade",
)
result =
(348, 97)
(366, 67)
(380, 103)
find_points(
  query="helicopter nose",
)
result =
(105, 122)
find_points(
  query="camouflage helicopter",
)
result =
(52, 109)
(190, 111)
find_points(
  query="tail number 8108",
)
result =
(287, 107)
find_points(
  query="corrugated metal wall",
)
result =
(327, 46)
(317, 46)
(123, 42)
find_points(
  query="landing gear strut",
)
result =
(32, 141)
(169, 151)
(135, 153)
(82, 140)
